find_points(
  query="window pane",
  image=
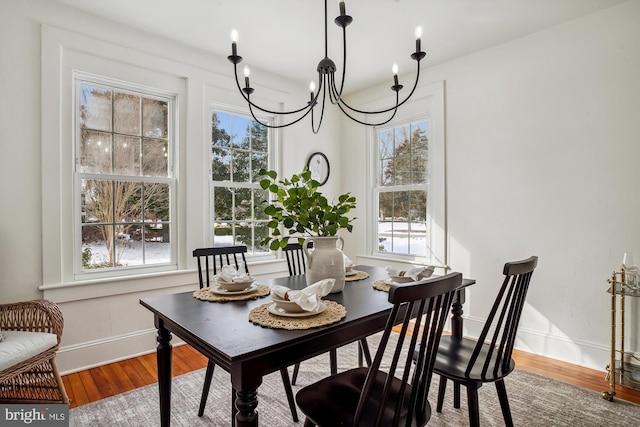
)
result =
(95, 107)
(223, 204)
(126, 113)
(127, 201)
(155, 158)
(240, 132)
(241, 166)
(96, 199)
(95, 152)
(243, 207)
(261, 198)
(126, 155)
(220, 123)
(156, 201)
(155, 118)
(95, 253)
(259, 138)
(258, 161)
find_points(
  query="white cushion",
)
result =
(19, 346)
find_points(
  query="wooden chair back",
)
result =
(499, 331)
(211, 260)
(295, 258)
(399, 397)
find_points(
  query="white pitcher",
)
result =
(325, 261)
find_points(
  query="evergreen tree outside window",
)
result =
(402, 189)
(239, 149)
(124, 182)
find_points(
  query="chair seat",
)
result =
(453, 359)
(19, 346)
(345, 389)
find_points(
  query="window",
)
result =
(123, 176)
(402, 189)
(240, 147)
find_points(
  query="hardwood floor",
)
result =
(98, 383)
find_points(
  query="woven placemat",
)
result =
(332, 314)
(205, 294)
(358, 276)
(381, 285)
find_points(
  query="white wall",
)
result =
(542, 142)
(37, 40)
(543, 147)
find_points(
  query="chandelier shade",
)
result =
(326, 84)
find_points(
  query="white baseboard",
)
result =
(582, 353)
(90, 354)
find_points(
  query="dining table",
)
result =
(223, 333)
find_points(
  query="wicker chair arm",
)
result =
(32, 316)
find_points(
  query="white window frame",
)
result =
(63, 53)
(428, 106)
(271, 156)
(172, 100)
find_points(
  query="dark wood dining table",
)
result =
(223, 333)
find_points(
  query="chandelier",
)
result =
(327, 83)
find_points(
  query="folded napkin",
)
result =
(228, 273)
(308, 298)
(347, 261)
(414, 272)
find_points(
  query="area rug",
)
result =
(534, 400)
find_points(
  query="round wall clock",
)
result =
(318, 164)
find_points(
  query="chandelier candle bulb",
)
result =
(234, 42)
(342, 9)
(247, 73)
(418, 36)
(312, 89)
(394, 70)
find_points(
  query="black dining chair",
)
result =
(376, 397)
(296, 264)
(471, 362)
(210, 261)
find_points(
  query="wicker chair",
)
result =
(36, 379)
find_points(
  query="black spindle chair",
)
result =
(488, 359)
(210, 261)
(373, 397)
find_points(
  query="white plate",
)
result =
(222, 291)
(274, 309)
(351, 273)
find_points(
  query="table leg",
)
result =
(246, 403)
(456, 331)
(164, 354)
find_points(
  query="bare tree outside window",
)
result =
(123, 166)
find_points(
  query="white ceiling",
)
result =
(286, 37)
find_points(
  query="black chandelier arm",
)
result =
(384, 122)
(386, 110)
(251, 104)
(344, 67)
(277, 126)
(324, 98)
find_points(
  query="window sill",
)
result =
(99, 288)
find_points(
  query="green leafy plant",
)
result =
(302, 209)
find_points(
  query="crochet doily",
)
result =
(205, 294)
(358, 276)
(333, 313)
(381, 285)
